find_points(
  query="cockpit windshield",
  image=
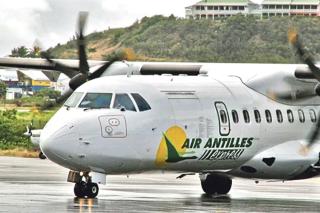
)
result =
(96, 101)
(74, 99)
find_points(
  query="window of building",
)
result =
(221, 7)
(123, 101)
(96, 101)
(279, 116)
(300, 7)
(216, 8)
(265, 7)
(235, 117)
(234, 8)
(286, 7)
(293, 7)
(272, 6)
(141, 102)
(246, 116)
(210, 7)
(241, 7)
(290, 116)
(268, 116)
(307, 7)
(279, 6)
(314, 7)
(313, 116)
(203, 7)
(198, 7)
(203, 16)
(257, 116)
(301, 116)
(223, 117)
(74, 99)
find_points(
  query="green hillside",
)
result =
(236, 39)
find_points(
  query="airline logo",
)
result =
(175, 146)
(171, 148)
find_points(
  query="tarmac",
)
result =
(34, 185)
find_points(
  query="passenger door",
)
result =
(224, 121)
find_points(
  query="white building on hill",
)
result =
(216, 9)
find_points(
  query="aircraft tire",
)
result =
(42, 156)
(92, 190)
(80, 189)
(216, 184)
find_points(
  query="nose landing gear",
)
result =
(84, 187)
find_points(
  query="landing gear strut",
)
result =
(84, 187)
(215, 184)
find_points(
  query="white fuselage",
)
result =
(195, 124)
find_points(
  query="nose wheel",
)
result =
(88, 190)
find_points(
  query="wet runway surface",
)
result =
(32, 185)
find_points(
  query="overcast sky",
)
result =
(22, 22)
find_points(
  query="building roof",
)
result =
(35, 75)
(7, 75)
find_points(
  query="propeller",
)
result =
(306, 58)
(28, 133)
(82, 75)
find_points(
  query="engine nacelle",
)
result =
(282, 162)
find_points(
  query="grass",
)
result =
(18, 152)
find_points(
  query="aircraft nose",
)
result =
(55, 143)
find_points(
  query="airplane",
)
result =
(34, 135)
(221, 121)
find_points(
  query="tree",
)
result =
(21, 51)
(3, 90)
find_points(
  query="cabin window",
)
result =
(235, 116)
(246, 116)
(313, 116)
(279, 116)
(123, 101)
(268, 116)
(96, 101)
(301, 116)
(74, 99)
(257, 116)
(290, 116)
(141, 102)
(223, 117)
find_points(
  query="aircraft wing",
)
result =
(45, 65)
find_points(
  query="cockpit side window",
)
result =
(141, 102)
(123, 100)
(74, 99)
(96, 101)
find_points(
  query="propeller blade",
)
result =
(83, 61)
(68, 71)
(302, 53)
(307, 59)
(65, 96)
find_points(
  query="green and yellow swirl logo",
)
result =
(171, 147)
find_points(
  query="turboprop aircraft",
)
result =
(221, 121)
